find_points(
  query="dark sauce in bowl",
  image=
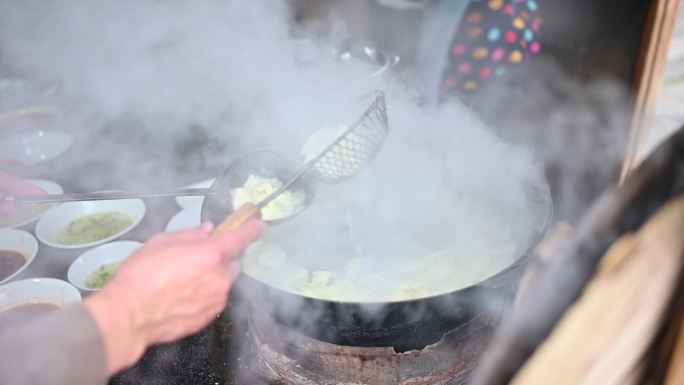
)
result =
(20, 314)
(10, 262)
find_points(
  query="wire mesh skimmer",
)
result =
(355, 147)
(341, 159)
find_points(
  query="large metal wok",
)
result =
(404, 325)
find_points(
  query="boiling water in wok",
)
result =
(335, 251)
(440, 208)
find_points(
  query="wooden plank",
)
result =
(618, 211)
(659, 360)
(649, 77)
(675, 375)
(605, 335)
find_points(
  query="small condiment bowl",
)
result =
(32, 148)
(188, 201)
(21, 242)
(93, 259)
(49, 187)
(38, 290)
(57, 218)
(187, 218)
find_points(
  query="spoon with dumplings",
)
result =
(331, 161)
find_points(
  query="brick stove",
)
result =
(253, 348)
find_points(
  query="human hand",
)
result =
(172, 287)
(11, 185)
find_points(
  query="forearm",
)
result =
(61, 348)
(123, 341)
(145, 304)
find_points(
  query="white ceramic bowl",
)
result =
(185, 219)
(57, 218)
(31, 148)
(38, 290)
(23, 243)
(185, 202)
(92, 259)
(48, 186)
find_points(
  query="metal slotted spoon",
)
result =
(340, 160)
(355, 147)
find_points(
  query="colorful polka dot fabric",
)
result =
(493, 37)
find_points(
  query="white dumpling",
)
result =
(257, 189)
(409, 290)
(272, 258)
(321, 278)
(298, 277)
(356, 267)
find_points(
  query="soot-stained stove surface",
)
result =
(246, 346)
(191, 361)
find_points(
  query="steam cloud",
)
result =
(174, 89)
(152, 75)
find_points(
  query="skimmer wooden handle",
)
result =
(238, 218)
